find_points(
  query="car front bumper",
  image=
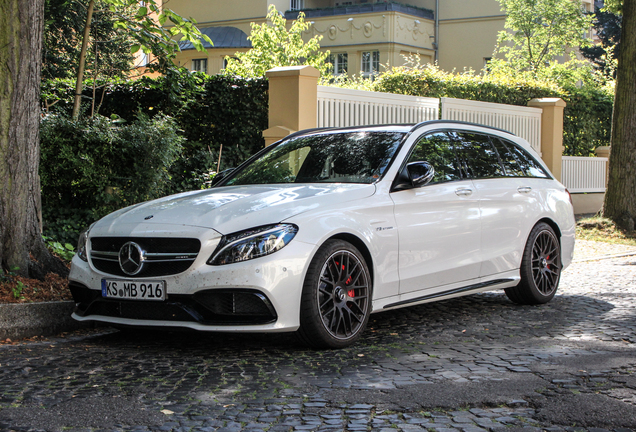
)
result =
(259, 295)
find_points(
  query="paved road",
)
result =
(472, 364)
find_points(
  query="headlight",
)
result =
(81, 244)
(253, 243)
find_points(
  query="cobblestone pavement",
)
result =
(477, 363)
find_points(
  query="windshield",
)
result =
(348, 157)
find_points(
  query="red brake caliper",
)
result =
(350, 293)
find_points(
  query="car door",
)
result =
(438, 224)
(507, 201)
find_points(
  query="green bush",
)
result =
(94, 166)
(587, 121)
(210, 111)
(211, 115)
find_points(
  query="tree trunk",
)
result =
(620, 199)
(21, 246)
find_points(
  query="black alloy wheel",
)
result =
(336, 299)
(540, 267)
(545, 262)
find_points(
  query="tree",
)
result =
(620, 198)
(608, 29)
(21, 246)
(273, 45)
(146, 26)
(21, 33)
(538, 32)
(108, 52)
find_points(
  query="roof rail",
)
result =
(413, 127)
(430, 122)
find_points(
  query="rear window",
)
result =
(529, 164)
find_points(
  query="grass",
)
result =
(603, 230)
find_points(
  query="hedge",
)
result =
(587, 116)
(211, 111)
(207, 114)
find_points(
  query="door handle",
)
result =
(524, 189)
(463, 192)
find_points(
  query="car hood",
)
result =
(230, 209)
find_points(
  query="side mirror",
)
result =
(220, 176)
(420, 173)
(413, 175)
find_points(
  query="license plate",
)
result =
(134, 290)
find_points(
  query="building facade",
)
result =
(361, 35)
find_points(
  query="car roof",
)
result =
(404, 128)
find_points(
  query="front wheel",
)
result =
(336, 299)
(540, 268)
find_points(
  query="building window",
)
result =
(486, 61)
(296, 5)
(339, 62)
(370, 63)
(226, 59)
(200, 65)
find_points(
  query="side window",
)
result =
(510, 163)
(479, 155)
(438, 150)
(529, 163)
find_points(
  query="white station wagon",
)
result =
(316, 232)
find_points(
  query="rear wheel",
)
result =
(540, 268)
(336, 299)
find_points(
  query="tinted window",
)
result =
(438, 150)
(479, 155)
(354, 157)
(510, 163)
(530, 165)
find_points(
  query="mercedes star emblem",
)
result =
(131, 258)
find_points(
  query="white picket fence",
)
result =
(338, 107)
(584, 174)
(521, 121)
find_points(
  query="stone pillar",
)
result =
(604, 151)
(293, 101)
(551, 132)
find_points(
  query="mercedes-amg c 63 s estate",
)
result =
(320, 230)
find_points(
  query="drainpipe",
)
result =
(436, 43)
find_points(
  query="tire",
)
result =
(336, 298)
(540, 268)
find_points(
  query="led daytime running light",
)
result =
(82, 244)
(253, 243)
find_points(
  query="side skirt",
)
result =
(484, 286)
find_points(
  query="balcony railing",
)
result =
(362, 8)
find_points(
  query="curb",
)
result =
(22, 320)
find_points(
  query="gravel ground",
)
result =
(477, 363)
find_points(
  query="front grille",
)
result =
(212, 307)
(163, 255)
